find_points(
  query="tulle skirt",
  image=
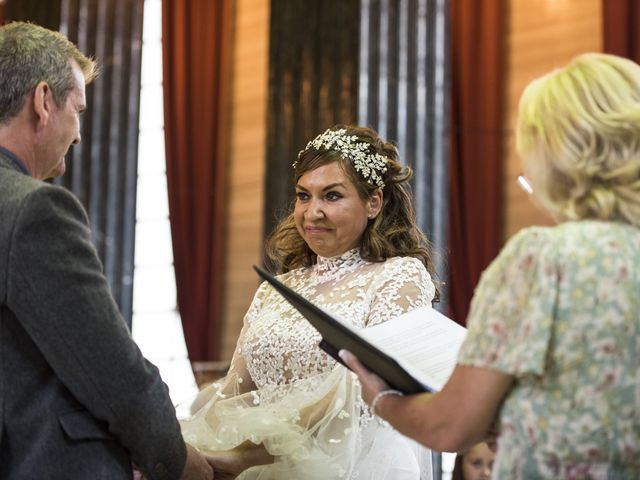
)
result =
(316, 428)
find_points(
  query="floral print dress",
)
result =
(559, 310)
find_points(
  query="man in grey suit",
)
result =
(77, 399)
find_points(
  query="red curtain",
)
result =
(475, 227)
(196, 56)
(621, 28)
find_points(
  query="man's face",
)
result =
(64, 128)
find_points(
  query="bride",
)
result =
(286, 410)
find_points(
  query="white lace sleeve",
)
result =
(238, 368)
(236, 382)
(403, 285)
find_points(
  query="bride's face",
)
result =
(329, 214)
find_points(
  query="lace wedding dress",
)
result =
(283, 391)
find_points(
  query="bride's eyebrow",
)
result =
(333, 185)
(328, 187)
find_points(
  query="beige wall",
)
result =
(541, 35)
(247, 153)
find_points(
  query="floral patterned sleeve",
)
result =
(512, 311)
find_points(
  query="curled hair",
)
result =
(393, 232)
(578, 133)
(30, 54)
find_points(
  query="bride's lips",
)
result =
(315, 230)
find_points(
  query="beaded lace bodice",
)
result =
(278, 346)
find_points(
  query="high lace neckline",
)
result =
(329, 263)
(333, 268)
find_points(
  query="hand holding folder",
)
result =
(415, 352)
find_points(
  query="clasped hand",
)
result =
(228, 464)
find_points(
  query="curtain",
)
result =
(621, 19)
(196, 54)
(103, 170)
(313, 72)
(475, 229)
(403, 93)
(46, 14)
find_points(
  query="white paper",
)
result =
(423, 341)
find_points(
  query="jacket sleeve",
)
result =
(62, 299)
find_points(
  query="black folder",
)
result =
(336, 336)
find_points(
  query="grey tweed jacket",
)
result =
(77, 399)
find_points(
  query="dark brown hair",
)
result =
(392, 233)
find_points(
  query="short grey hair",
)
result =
(30, 54)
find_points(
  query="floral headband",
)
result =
(370, 166)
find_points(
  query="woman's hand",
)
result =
(372, 384)
(228, 464)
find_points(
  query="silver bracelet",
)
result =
(379, 396)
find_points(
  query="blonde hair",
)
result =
(578, 133)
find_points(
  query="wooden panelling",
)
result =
(541, 35)
(247, 160)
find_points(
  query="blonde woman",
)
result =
(552, 352)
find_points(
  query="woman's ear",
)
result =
(375, 203)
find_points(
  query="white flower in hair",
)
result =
(370, 165)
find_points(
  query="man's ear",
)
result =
(42, 104)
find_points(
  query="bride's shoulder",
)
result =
(402, 264)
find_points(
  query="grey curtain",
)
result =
(403, 94)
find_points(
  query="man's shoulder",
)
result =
(21, 195)
(16, 186)
(14, 182)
